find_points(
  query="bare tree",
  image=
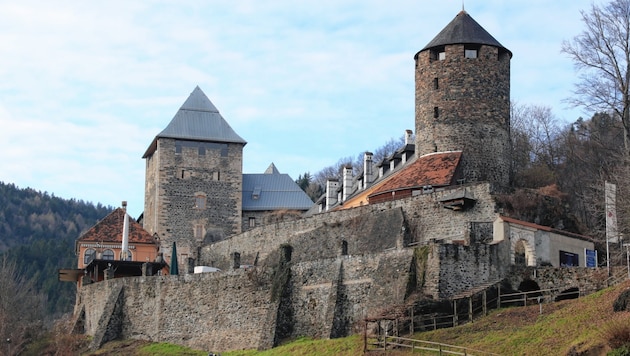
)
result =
(21, 308)
(536, 149)
(601, 53)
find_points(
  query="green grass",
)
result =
(165, 349)
(349, 346)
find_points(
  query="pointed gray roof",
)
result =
(463, 29)
(197, 120)
(272, 169)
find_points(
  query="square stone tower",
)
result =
(193, 182)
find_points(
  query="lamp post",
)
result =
(9, 346)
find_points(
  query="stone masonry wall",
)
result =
(211, 311)
(455, 269)
(365, 229)
(236, 309)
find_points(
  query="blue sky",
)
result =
(86, 86)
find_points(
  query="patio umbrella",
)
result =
(174, 268)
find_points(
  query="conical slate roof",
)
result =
(463, 30)
(197, 120)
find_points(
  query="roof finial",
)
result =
(463, 6)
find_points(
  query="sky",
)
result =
(85, 86)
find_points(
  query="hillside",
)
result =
(38, 231)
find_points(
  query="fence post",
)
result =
(484, 299)
(525, 299)
(434, 322)
(470, 309)
(455, 313)
(499, 296)
(365, 336)
(411, 326)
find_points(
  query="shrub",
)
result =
(617, 334)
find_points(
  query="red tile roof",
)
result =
(435, 169)
(110, 229)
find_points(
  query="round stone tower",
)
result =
(463, 100)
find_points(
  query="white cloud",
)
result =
(86, 86)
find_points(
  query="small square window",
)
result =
(200, 202)
(442, 56)
(470, 53)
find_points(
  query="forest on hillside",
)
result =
(38, 233)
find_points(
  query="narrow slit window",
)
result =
(436, 84)
(252, 222)
(436, 112)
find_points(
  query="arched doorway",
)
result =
(523, 253)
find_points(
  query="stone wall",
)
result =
(454, 269)
(365, 229)
(240, 309)
(210, 311)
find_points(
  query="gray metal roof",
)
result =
(463, 29)
(198, 120)
(273, 191)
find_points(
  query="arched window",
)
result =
(519, 254)
(108, 255)
(129, 256)
(88, 256)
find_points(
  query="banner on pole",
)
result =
(610, 191)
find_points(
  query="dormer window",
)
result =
(256, 193)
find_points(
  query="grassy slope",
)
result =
(577, 325)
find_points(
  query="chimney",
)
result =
(408, 137)
(368, 169)
(331, 192)
(124, 254)
(347, 182)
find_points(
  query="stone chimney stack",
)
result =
(124, 205)
(368, 169)
(331, 192)
(347, 182)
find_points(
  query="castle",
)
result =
(423, 223)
